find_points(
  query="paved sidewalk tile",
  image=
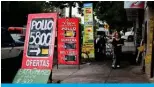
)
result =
(131, 74)
(99, 72)
(63, 71)
(89, 74)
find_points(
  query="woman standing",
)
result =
(117, 44)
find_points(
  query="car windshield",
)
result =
(6, 38)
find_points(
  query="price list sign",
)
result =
(29, 76)
(68, 41)
(39, 42)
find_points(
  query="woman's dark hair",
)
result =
(119, 35)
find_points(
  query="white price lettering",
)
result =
(37, 38)
(47, 39)
(40, 39)
(32, 37)
(42, 25)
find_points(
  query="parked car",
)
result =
(11, 56)
(10, 48)
(129, 35)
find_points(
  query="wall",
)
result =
(148, 14)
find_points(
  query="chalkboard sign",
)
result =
(70, 45)
(70, 58)
(40, 37)
(32, 76)
(40, 40)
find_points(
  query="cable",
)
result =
(110, 70)
(70, 75)
(108, 76)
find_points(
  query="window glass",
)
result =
(6, 38)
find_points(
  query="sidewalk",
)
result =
(99, 72)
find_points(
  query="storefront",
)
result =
(135, 14)
(142, 15)
(149, 39)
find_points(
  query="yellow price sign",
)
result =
(45, 51)
(151, 36)
(141, 48)
(151, 23)
(148, 59)
(69, 33)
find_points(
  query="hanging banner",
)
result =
(134, 4)
(68, 41)
(148, 58)
(88, 37)
(39, 42)
(88, 14)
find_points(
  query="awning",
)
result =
(132, 8)
(131, 14)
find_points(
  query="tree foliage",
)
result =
(63, 4)
(14, 13)
(113, 12)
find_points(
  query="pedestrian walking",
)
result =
(117, 44)
(100, 46)
(122, 33)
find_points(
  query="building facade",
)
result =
(149, 39)
(142, 15)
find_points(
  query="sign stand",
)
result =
(37, 60)
(68, 42)
(57, 49)
(57, 56)
(57, 62)
(79, 62)
(50, 77)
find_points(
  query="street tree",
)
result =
(113, 12)
(14, 13)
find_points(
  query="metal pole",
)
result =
(50, 77)
(57, 63)
(80, 46)
(57, 55)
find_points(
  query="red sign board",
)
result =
(68, 41)
(39, 42)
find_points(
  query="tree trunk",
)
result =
(70, 9)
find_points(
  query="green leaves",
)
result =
(113, 12)
(15, 13)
